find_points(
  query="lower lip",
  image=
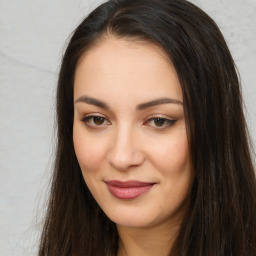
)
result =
(128, 192)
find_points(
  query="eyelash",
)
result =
(86, 120)
(167, 122)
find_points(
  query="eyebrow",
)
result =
(92, 101)
(101, 104)
(158, 102)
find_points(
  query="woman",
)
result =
(152, 155)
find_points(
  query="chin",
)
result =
(135, 219)
(132, 223)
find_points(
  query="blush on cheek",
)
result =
(87, 158)
(89, 154)
(171, 158)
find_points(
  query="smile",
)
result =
(128, 189)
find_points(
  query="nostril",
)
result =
(124, 160)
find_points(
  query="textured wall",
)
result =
(33, 36)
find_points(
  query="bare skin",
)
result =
(129, 125)
(153, 241)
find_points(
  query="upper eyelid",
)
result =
(85, 118)
(92, 116)
(166, 119)
(147, 118)
(170, 121)
(161, 116)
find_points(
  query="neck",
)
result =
(153, 241)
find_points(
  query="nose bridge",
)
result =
(125, 150)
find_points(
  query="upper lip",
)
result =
(128, 184)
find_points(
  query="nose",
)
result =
(125, 151)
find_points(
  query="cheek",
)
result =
(171, 156)
(172, 160)
(89, 152)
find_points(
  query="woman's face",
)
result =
(129, 133)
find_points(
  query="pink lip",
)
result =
(128, 189)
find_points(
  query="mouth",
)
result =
(128, 190)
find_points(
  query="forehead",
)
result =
(128, 68)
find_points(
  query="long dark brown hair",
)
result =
(221, 218)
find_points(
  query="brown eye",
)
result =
(98, 120)
(94, 121)
(159, 122)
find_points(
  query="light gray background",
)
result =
(32, 41)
